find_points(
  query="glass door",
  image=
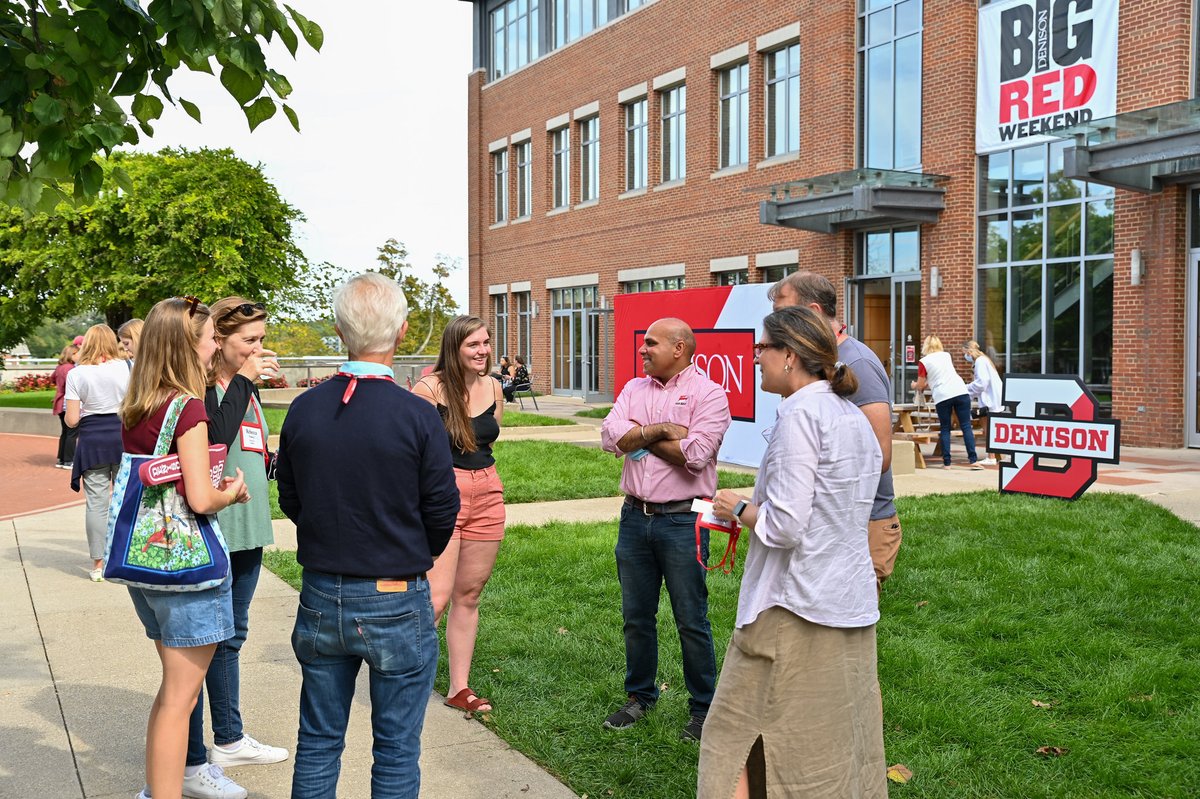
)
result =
(906, 338)
(574, 340)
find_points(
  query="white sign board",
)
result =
(1043, 65)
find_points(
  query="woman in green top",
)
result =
(236, 420)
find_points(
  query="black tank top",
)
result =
(487, 430)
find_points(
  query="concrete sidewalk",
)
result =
(78, 676)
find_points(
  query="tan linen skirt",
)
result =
(811, 695)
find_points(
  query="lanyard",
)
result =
(729, 559)
(349, 392)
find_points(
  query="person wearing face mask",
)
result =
(987, 387)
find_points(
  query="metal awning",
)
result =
(856, 198)
(1139, 150)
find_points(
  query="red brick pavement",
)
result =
(28, 480)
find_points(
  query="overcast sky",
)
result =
(383, 120)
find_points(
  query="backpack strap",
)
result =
(167, 433)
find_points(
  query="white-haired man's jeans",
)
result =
(343, 622)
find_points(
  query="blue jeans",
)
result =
(223, 679)
(652, 550)
(342, 622)
(960, 406)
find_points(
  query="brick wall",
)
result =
(715, 216)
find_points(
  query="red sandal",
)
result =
(460, 701)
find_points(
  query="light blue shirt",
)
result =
(365, 368)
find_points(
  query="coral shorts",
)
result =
(481, 515)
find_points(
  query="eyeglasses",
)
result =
(245, 309)
(758, 348)
(192, 303)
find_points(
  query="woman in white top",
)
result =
(986, 386)
(936, 372)
(95, 388)
(797, 706)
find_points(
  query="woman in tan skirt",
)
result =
(797, 710)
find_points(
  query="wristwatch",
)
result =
(738, 508)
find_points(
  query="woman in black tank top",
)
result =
(471, 404)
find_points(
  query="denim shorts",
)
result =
(186, 618)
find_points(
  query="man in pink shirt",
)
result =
(669, 425)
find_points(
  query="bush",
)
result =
(309, 382)
(276, 382)
(33, 383)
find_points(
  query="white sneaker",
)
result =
(142, 794)
(210, 782)
(250, 753)
(988, 461)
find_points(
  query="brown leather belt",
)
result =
(659, 508)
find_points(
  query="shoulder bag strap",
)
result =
(174, 411)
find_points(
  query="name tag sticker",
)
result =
(252, 439)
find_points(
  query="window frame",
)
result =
(560, 168)
(739, 99)
(589, 158)
(636, 144)
(499, 331)
(673, 139)
(500, 186)
(522, 159)
(788, 79)
(505, 30)
(907, 110)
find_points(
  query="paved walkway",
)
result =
(78, 675)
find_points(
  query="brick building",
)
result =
(618, 146)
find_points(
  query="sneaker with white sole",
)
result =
(142, 794)
(210, 782)
(249, 753)
(988, 461)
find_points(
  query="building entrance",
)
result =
(887, 315)
(575, 339)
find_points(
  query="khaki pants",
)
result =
(884, 536)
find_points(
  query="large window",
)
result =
(733, 277)
(574, 18)
(560, 145)
(561, 170)
(1045, 266)
(500, 184)
(783, 100)
(524, 303)
(734, 87)
(674, 133)
(514, 36)
(886, 252)
(656, 284)
(889, 51)
(635, 145)
(524, 179)
(589, 159)
(499, 326)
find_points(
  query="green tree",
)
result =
(203, 223)
(66, 64)
(50, 337)
(430, 305)
(292, 338)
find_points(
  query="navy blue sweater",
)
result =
(369, 484)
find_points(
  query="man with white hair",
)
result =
(365, 473)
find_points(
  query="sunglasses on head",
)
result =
(245, 309)
(192, 303)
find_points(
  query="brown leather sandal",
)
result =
(460, 701)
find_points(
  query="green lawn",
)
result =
(997, 601)
(521, 419)
(28, 399)
(541, 471)
(595, 413)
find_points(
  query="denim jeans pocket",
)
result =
(304, 634)
(393, 643)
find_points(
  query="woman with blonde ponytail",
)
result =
(808, 605)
